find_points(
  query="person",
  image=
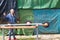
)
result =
(4, 21)
(28, 23)
(11, 20)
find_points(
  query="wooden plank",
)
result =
(16, 27)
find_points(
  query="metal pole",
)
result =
(33, 24)
(37, 33)
(3, 36)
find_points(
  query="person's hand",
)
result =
(37, 25)
(18, 22)
(8, 25)
(4, 14)
(46, 24)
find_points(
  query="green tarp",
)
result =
(26, 15)
(47, 15)
(30, 5)
(38, 4)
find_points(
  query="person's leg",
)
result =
(10, 31)
(13, 33)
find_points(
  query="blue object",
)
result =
(11, 19)
(52, 16)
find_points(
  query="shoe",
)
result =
(9, 39)
(15, 39)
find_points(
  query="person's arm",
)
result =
(17, 20)
(7, 19)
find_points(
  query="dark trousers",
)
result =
(11, 33)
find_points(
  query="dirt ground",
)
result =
(41, 37)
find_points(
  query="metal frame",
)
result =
(32, 25)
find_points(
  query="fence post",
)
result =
(37, 33)
(3, 36)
